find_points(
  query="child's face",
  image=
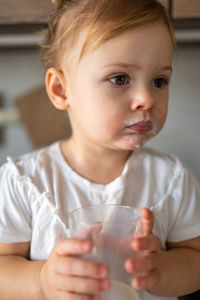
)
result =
(118, 94)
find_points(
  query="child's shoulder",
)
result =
(149, 154)
(31, 163)
(159, 162)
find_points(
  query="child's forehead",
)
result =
(151, 39)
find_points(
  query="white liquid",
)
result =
(118, 291)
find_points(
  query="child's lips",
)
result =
(141, 126)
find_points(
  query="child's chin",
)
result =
(135, 141)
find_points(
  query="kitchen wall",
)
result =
(20, 71)
(181, 134)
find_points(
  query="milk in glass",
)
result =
(119, 291)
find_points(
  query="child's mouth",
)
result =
(144, 126)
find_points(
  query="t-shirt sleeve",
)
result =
(15, 212)
(186, 203)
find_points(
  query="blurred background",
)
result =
(27, 119)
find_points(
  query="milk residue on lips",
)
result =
(152, 126)
(137, 140)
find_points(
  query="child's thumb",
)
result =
(147, 221)
(65, 247)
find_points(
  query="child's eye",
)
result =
(159, 82)
(120, 79)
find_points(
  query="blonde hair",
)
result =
(104, 19)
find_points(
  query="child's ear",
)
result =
(56, 88)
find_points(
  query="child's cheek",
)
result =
(114, 124)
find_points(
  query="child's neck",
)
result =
(97, 165)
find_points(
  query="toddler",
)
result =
(109, 64)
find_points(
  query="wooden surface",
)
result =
(25, 11)
(30, 11)
(33, 12)
(186, 9)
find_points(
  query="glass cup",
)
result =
(111, 229)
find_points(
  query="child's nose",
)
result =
(142, 99)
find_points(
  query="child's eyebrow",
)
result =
(126, 65)
(166, 68)
(121, 64)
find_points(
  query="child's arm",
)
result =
(169, 273)
(19, 278)
(61, 275)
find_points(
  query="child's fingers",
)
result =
(79, 267)
(64, 273)
(80, 285)
(91, 231)
(147, 282)
(66, 247)
(142, 265)
(147, 221)
(149, 243)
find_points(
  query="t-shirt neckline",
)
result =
(118, 182)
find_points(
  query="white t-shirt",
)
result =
(39, 190)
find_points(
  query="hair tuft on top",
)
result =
(57, 2)
(104, 19)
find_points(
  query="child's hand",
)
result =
(65, 276)
(146, 267)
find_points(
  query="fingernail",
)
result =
(86, 246)
(134, 244)
(134, 284)
(104, 285)
(102, 271)
(128, 266)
